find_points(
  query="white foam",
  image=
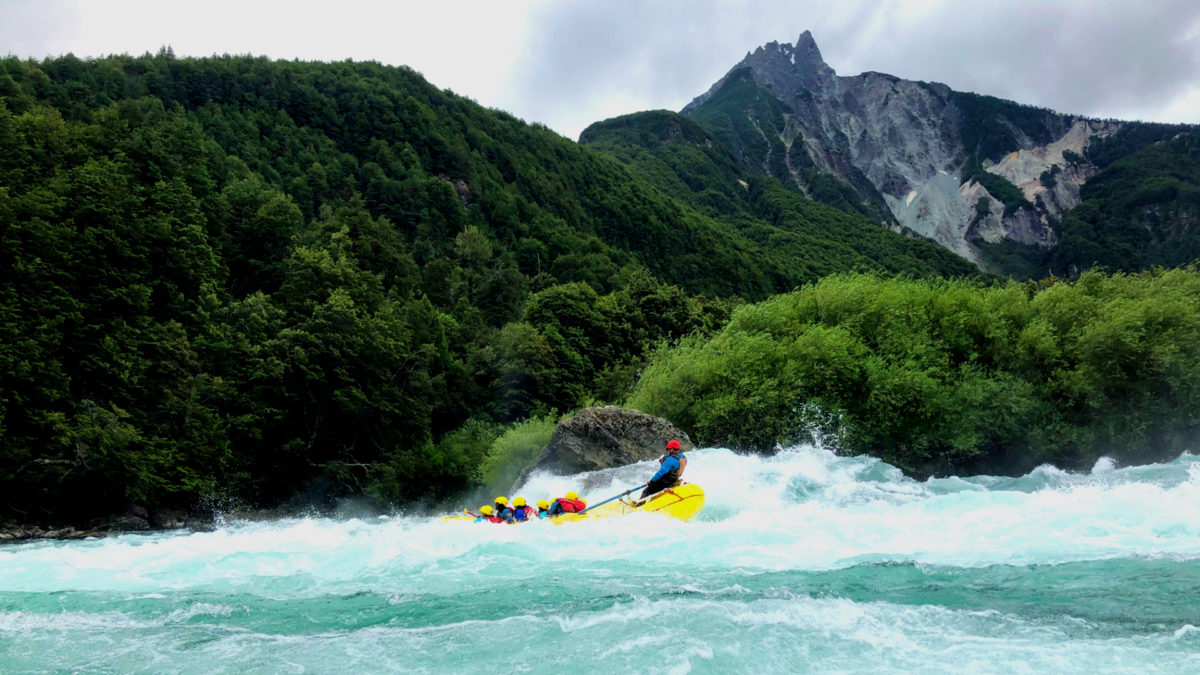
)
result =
(804, 508)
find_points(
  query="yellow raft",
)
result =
(681, 501)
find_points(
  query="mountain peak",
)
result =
(800, 63)
(782, 68)
(806, 50)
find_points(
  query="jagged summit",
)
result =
(806, 56)
(783, 68)
(805, 44)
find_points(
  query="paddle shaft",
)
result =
(588, 508)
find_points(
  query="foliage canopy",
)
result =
(233, 277)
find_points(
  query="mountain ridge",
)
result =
(970, 171)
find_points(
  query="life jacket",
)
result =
(490, 519)
(571, 505)
(505, 516)
(522, 513)
(671, 477)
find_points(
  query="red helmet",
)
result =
(674, 445)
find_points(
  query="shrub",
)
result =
(940, 376)
(513, 450)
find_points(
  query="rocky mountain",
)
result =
(811, 238)
(980, 175)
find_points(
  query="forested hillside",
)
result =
(1139, 211)
(690, 164)
(1142, 209)
(232, 278)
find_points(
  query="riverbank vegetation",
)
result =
(939, 376)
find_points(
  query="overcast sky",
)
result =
(567, 63)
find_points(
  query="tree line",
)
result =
(284, 282)
(945, 377)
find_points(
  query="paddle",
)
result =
(588, 508)
(473, 515)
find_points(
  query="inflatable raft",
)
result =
(682, 502)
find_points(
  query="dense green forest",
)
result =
(232, 278)
(938, 376)
(1140, 210)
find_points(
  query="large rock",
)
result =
(128, 524)
(601, 438)
(167, 519)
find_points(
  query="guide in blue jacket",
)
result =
(673, 464)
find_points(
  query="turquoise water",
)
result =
(800, 562)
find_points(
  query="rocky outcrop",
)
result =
(133, 519)
(1058, 163)
(18, 532)
(601, 438)
(911, 141)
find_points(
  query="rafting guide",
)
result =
(670, 472)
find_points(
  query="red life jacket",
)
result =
(494, 519)
(571, 505)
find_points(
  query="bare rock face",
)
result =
(907, 139)
(601, 438)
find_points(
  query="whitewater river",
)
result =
(799, 562)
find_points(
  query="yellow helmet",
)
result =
(543, 503)
(572, 495)
(502, 501)
(486, 510)
(519, 501)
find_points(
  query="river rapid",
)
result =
(800, 562)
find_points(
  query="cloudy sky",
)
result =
(567, 63)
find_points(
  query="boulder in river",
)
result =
(167, 519)
(601, 438)
(135, 519)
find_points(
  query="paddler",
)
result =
(543, 508)
(486, 513)
(671, 470)
(521, 511)
(502, 510)
(568, 503)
